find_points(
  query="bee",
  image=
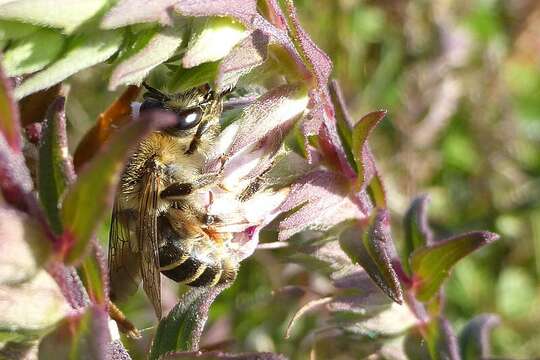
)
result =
(158, 225)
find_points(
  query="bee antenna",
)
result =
(155, 92)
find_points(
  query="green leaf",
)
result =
(33, 53)
(431, 265)
(80, 336)
(360, 149)
(90, 199)
(186, 79)
(84, 50)
(374, 251)
(160, 47)
(94, 275)
(63, 14)
(212, 39)
(417, 231)
(474, 338)
(181, 329)
(9, 114)
(13, 30)
(55, 169)
(343, 121)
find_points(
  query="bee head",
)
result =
(197, 110)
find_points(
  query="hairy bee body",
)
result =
(158, 223)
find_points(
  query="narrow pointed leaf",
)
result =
(360, 148)
(431, 265)
(374, 251)
(89, 200)
(474, 338)
(417, 231)
(80, 336)
(84, 50)
(9, 114)
(434, 340)
(63, 14)
(55, 171)
(158, 49)
(182, 328)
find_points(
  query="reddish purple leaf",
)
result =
(474, 338)
(218, 355)
(242, 10)
(323, 200)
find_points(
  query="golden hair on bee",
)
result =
(158, 225)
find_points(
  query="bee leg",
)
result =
(254, 186)
(177, 191)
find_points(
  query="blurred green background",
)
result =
(461, 82)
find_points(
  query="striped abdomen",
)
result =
(195, 262)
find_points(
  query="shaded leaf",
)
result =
(80, 336)
(181, 329)
(84, 50)
(344, 122)
(159, 48)
(185, 79)
(130, 12)
(321, 201)
(63, 14)
(415, 224)
(374, 251)
(431, 265)
(89, 200)
(34, 107)
(365, 164)
(474, 338)
(33, 53)
(108, 122)
(241, 10)
(9, 114)
(432, 341)
(249, 53)
(14, 30)
(55, 167)
(23, 247)
(211, 40)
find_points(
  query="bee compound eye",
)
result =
(188, 119)
(151, 104)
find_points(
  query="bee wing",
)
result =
(124, 263)
(148, 240)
